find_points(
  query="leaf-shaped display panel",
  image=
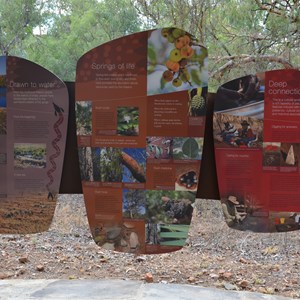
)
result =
(257, 148)
(138, 101)
(34, 108)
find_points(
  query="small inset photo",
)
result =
(29, 155)
(271, 154)
(159, 147)
(289, 154)
(285, 221)
(187, 148)
(176, 62)
(187, 177)
(128, 121)
(168, 215)
(197, 102)
(134, 165)
(134, 202)
(237, 131)
(83, 111)
(100, 164)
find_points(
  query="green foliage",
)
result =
(75, 27)
(175, 242)
(128, 121)
(195, 77)
(173, 235)
(134, 204)
(155, 210)
(242, 36)
(17, 20)
(187, 148)
(100, 164)
(111, 167)
(34, 151)
(190, 148)
(152, 56)
(84, 117)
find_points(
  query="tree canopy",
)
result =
(242, 37)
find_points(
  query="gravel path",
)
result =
(215, 255)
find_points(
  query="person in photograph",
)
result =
(230, 212)
(296, 217)
(229, 133)
(245, 134)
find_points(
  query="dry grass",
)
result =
(26, 214)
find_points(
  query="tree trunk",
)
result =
(135, 169)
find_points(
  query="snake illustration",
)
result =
(58, 111)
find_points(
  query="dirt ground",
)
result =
(214, 256)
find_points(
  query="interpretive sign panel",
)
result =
(140, 114)
(257, 148)
(33, 125)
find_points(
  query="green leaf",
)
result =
(177, 227)
(190, 148)
(180, 242)
(178, 155)
(177, 235)
(195, 77)
(152, 55)
(162, 83)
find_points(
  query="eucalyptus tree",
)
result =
(254, 36)
(76, 26)
(17, 20)
(242, 36)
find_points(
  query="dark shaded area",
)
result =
(239, 92)
(208, 183)
(70, 180)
